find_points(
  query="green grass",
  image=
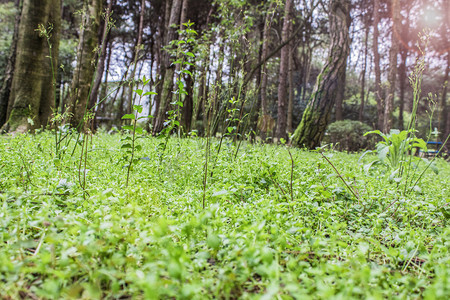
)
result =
(153, 240)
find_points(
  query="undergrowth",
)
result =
(277, 224)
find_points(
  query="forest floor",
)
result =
(270, 229)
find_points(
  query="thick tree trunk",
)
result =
(282, 86)
(188, 102)
(5, 90)
(85, 69)
(101, 60)
(32, 91)
(316, 117)
(340, 94)
(376, 58)
(392, 75)
(265, 50)
(166, 93)
(163, 26)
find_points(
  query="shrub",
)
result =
(348, 135)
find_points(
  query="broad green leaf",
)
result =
(191, 31)
(139, 130)
(186, 72)
(127, 127)
(213, 241)
(139, 92)
(138, 108)
(127, 138)
(129, 116)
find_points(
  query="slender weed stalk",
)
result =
(129, 142)
(183, 55)
(46, 32)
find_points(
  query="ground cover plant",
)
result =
(278, 223)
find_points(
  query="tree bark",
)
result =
(32, 90)
(5, 90)
(444, 114)
(101, 60)
(363, 75)
(166, 93)
(84, 72)
(290, 110)
(104, 89)
(282, 86)
(340, 94)
(136, 50)
(188, 102)
(265, 49)
(376, 58)
(392, 75)
(161, 66)
(316, 117)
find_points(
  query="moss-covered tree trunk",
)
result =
(316, 117)
(32, 90)
(85, 69)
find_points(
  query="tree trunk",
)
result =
(282, 86)
(265, 50)
(444, 115)
(84, 72)
(135, 59)
(316, 117)
(363, 75)
(163, 26)
(376, 58)
(32, 90)
(104, 89)
(5, 90)
(392, 75)
(340, 94)
(101, 60)
(290, 110)
(402, 70)
(166, 93)
(188, 102)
